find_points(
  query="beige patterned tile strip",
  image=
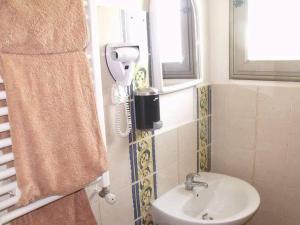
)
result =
(143, 162)
(204, 117)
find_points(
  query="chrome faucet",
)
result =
(190, 182)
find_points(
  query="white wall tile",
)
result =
(166, 147)
(167, 178)
(187, 146)
(120, 213)
(274, 102)
(274, 152)
(177, 108)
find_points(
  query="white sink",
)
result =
(226, 201)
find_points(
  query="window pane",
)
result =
(273, 30)
(170, 30)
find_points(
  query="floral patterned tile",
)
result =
(148, 194)
(141, 77)
(144, 166)
(145, 156)
(204, 128)
(203, 101)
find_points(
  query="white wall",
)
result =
(218, 41)
(125, 4)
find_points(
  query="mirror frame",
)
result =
(157, 67)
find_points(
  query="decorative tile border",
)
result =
(141, 79)
(204, 128)
(142, 160)
(143, 166)
(203, 100)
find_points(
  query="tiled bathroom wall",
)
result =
(161, 160)
(147, 164)
(255, 136)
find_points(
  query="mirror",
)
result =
(174, 36)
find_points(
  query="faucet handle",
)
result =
(191, 176)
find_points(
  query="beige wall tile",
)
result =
(219, 163)
(167, 178)
(292, 207)
(268, 163)
(271, 196)
(187, 164)
(294, 143)
(295, 101)
(238, 163)
(117, 153)
(241, 133)
(234, 123)
(120, 213)
(187, 138)
(267, 218)
(119, 167)
(219, 128)
(234, 131)
(292, 172)
(274, 101)
(219, 99)
(234, 100)
(166, 148)
(294, 131)
(272, 133)
(218, 147)
(242, 101)
(177, 108)
(289, 221)
(274, 153)
(187, 149)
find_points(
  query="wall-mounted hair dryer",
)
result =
(121, 60)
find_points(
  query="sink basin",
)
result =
(226, 201)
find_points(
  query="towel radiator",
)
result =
(9, 192)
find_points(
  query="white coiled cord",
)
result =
(120, 98)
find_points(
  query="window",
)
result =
(176, 39)
(265, 40)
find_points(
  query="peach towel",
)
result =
(42, 26)
(77, 212)
(54, 128)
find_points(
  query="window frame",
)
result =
(186, 69)
(243, 69)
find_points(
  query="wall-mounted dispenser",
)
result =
(147, 109)
(121, 60)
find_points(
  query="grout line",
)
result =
(149, 176)
(136, 220)
(169, 129)
(178, 155)
(255, 135)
